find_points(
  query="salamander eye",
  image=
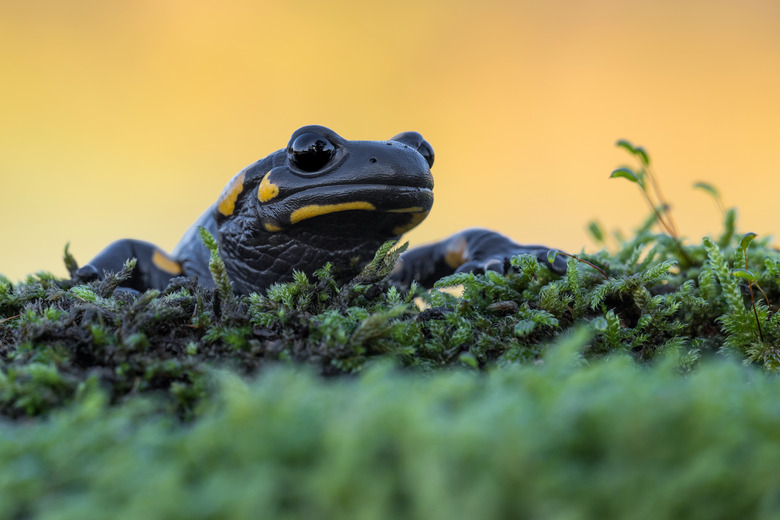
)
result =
(310, 152)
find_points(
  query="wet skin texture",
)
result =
(321, 199)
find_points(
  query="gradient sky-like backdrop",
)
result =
(126, 118)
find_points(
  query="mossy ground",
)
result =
(109, 397)
(558, 439)
(58, 337)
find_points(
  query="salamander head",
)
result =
(322, 199)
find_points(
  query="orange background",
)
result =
(126, 118)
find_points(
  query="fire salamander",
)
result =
(321, 199)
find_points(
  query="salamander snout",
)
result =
(416, 141)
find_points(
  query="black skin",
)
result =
(321, 199)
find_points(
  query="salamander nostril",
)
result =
(372, 160)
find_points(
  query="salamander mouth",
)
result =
(411, 204)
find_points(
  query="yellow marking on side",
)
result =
(415, 219)
(413, 209)
(273, 228)
(457, 253)
(227, 200)
(315, 210)
(267, 190)
(166, 263)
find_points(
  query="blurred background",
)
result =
(127, 118)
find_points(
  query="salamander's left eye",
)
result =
(310, 152)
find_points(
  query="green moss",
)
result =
(561, 439)
(643, 303)
(641, 384)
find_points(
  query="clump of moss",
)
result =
(651, 294)
(563, 438)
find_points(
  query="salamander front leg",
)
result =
(471, 250)
(153, 269)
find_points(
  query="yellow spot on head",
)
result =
(227, 201)
(166, 263)
(273, 228)
(267, 190)
(315, 210)
(415, 219)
